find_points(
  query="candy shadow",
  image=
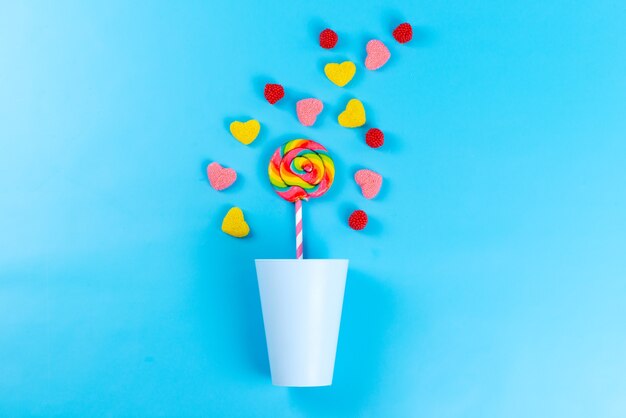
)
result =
(321, 63)
(345, 44)
(385, 189)
(374, 227)
(237, 186)
(368, 313)
(359, 76)
(203, 167)
(325, 118)
(258, 86)
(359, 134)
(422, 37)
(393, 143)
(370, 115)
(314, 28)
(343, 212)
(395, 60)
(391, 19)
(370, 119)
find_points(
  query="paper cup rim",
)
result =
(290, 260)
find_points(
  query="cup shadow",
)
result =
(228, 304)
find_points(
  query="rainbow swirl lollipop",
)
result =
(301, 169)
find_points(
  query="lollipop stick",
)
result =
(299, 245)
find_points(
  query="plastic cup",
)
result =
(301, 302)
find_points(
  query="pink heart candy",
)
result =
(220, 178)
(377, 54)
(369, 181)
(307, 110)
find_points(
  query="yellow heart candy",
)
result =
(353, 116)
(245, 132)
(340, 74)
(234, 224)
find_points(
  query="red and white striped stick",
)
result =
(299, 245)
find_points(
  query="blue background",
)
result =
(491, 281)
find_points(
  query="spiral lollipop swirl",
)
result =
(301, 169)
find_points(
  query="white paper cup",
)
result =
(301, 302)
